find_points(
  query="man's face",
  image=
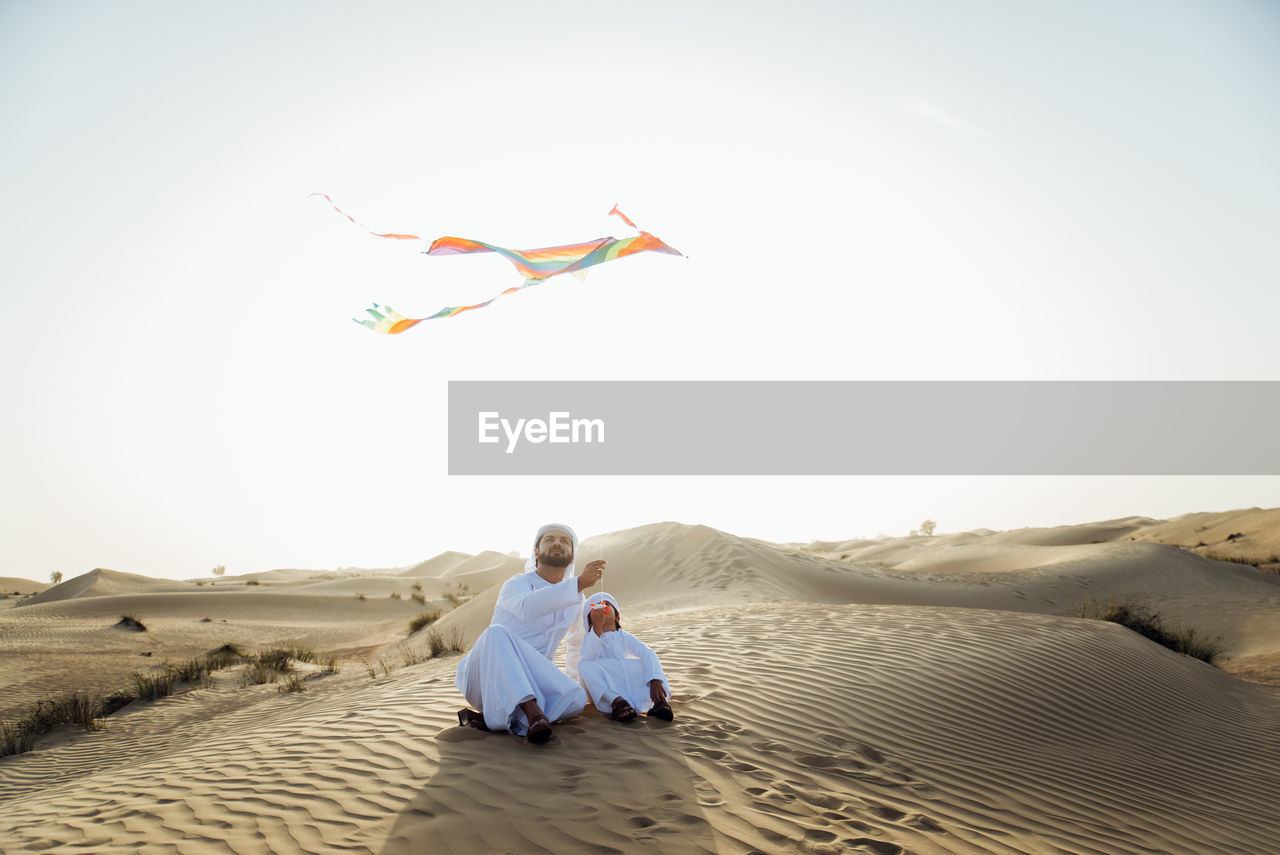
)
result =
(555, 549)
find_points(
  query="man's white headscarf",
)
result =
(531, 566)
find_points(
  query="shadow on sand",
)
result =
(597, 786)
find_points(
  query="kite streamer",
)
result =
(535, 265)
(392, 235)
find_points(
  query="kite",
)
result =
(535, 265)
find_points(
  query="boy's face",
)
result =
(604, 619)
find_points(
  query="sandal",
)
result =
(622, 711)
(661, 709)
(470, 718)
(539, 730)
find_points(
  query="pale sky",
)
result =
(887, 190)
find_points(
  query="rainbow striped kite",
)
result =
(535, 265)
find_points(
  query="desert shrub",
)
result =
(395, 595)
(292, 683)
(113, 702)
(1150, 625)
(361, 597)
(453, 597)
(277, 659)
(417, 586)
(408, 655)
(258, 673)
(224, 657)
(153, 686)
(252, 582)
(131, 622)
(423, 619)
(444, 642)
(301, 653)
(15, 739)
(191, 670)
(418, 597)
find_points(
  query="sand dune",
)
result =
(934, 699)
(100, 582)
(14, 584)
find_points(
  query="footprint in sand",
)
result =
(877, 847)
(885, 812)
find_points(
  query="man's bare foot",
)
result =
(539, 727)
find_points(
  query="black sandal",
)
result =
(622, 711)
(470, 718)
(661, 709)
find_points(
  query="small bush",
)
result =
(409, 656)
(15, 739)
(131, 622)
(253, 582)
(444, 642)
(417, 586)
(191, 670)
(301, 653)
(276, 660)
(361, 597)
(224, 657)
(114, 702)
(153, 686)
(292, 683)
(1148, 624)
(453, 598)
(258, 673)
(418, 598)
(395, 595)
(423, 619)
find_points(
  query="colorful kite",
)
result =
(535, 265)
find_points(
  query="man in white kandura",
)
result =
(508, 675)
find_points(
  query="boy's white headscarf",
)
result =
(601, 597)
(531, 566)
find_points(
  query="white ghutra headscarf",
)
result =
(531, 566)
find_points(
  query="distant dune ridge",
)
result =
(898, 695)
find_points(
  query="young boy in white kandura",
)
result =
(619, 671)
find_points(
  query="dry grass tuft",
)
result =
(423, 619)
(445, 642)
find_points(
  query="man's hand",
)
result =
(591, 574)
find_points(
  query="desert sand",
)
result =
(897, 695)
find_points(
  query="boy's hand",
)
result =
(603, 620)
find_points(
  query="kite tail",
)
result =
(625, 218)
(392, 322)
(391, 235)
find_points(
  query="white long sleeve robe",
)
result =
(511, 661)
(617, 664)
